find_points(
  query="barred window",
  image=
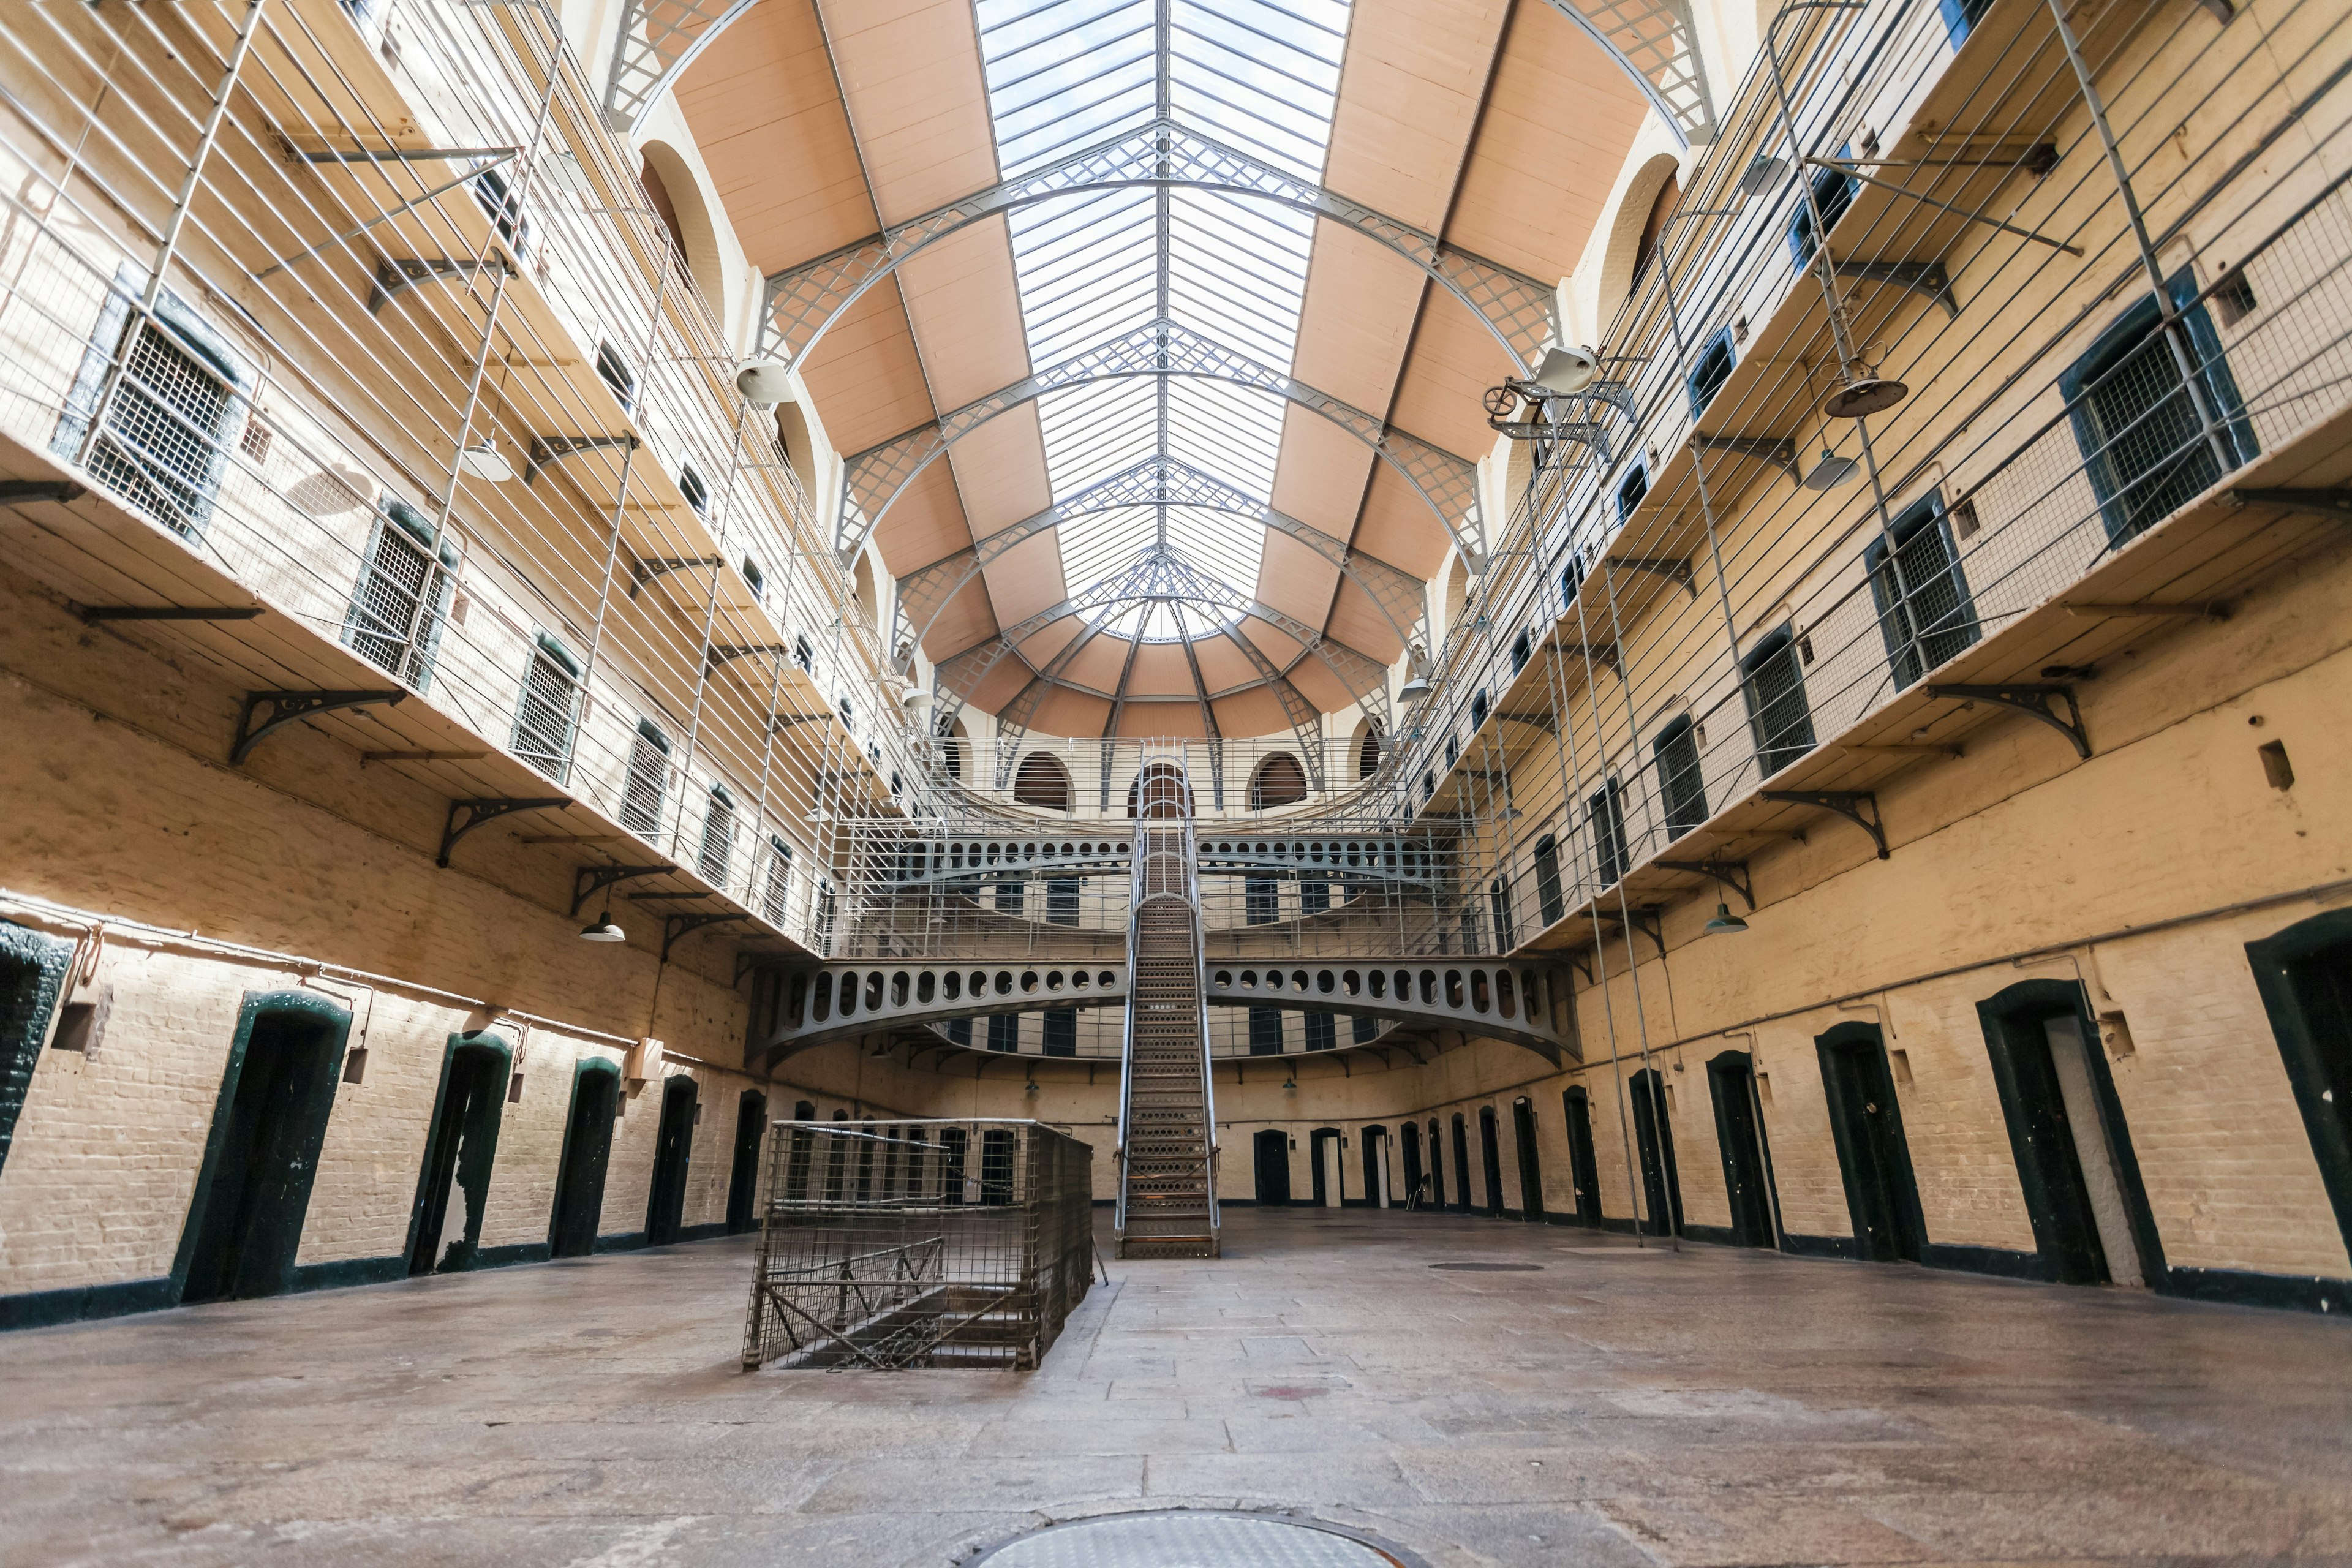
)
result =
(1062, 901)
(779, 885)
(1321, 1031)
(1266, 1031)
(1366, 1028)
(649, 781)
(1005, 1031)
(1633, 487)
(549, 708)
(1676, 750)
(162, 444)
(1498, 896)
(826, 911)
(1924, 609)
(1707, 377)
(1261, 900)
(1606, 813)
(1009, 897)
(1549, 902)
(1833, 192)
(1062, 1032)
(1773, 684)
(403, 593)
(1314, 898)
(718, 836)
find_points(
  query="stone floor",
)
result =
(1618, 1406)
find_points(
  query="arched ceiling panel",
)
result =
(1257, 711)
(910, 73)
(1067, 713)
(1358, 622)
(1160, 670)
(1395, 526)
(1321, 481)
(1000, 469)
(1296, 581)
(1177, 720)
(867, 376)
(1416, 71)
(1025, 579)
(955, 292)
(1362, 297)
(926, 523)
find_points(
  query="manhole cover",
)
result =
(1192, 1539)
(1491, 1268)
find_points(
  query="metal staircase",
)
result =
(1167, 1120)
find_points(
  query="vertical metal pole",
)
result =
(168, 249)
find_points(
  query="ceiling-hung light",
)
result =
(1831, 471)
(603, 928)
(1867, 395)
(1414, 688)
(483, 460)
(764, 383)
(1762, 174)
(1567, 369)
(1725, 922)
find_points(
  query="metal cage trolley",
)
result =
(919, 1244)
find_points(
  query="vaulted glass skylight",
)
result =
(1258, 76)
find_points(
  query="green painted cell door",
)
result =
(587, 1151)
(743, 1180)
(459, 1150)
(1867, 1124)
(673, 1145)
(1270, 1153)
(1583, 1166)
(254, 1193)
(1747, 1183)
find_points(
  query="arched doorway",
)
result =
(587, 1150)
(1415, 1196)
(1881, 1194)
(1461, 1163)
(743, 1178)
(1323, 1143)
(1162, 792)
(460, 1144)
(673, 1148)
(1490, 1154)
(2304, 976)
(1376, 1166)
(1739, 1133)
(1583, 1166)
(1270, 1159)
(1523, 1132)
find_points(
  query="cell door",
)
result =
(587, 1151)
(1867, 1125)
(743, 1178)
(1461, 1164)
(1376, 1166)
(1654, 1137)
(1523, 1132)
(1490, 1158)
(1270, 1155)
(1583, 1166)
(459, 1149)
(1414, 1194)
(673, 1147)
(1739, 1133)
(2304, 975)
(1324, 1145)
(254, 1192)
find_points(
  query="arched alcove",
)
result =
(676, 195)
(1042, 781)
(866, 600)
(1366, 746)
(1641, 212)
(955, 745)
(1457, 591)
(798, 445)
(1278, 780)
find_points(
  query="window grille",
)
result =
(1571, 578)
(696, 494)
(1266, 1031)
(1707, 377)
(403, 593)
(959, 1031)
(2142, 438)
(1680, 784)
(1924, 609)
(1366, 1029)
(1279, 781)
(1314, 898)
(718, 836)
(755, 579)
(1521, 650)
(1005, 1031)
(1605, 812)
(1428, 787)
(849, 716)
(1368, 756)
(616, 374)
(1008, 898)
(1062, 1032)
(1062, 901)
(805, 656)
(1321, 1031)
(1261, 900)
(1498, 896)
(826, 910)
(779, 885)
(1041, 781)
(1480, 708)
(550, 706)
(1635, 485)
(649, 781)
(1774, 687)
(1549, 902)
(1452, 750)
(1833, 192)
(161, 444)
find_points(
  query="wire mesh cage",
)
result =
(919, 1244)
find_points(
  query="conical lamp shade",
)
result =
(1724, 921)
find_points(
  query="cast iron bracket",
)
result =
(396, 278)
(546, 449)
(92, 615)
(1732, 874)
(644, 570)
(2326, 503)
(2034, 700)
(1846, 803)
(284, 707)
(720, 653)
(1925, 279)
(464, 816)
(588, 882)
(16, 492)
(1673, 566)
(676, 926)
(1602, 652)
(1777, 451)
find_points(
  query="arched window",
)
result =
(1367, 752)
(1042, 781)
(1279, 781)
(951, 745)
(1171, 794)
(676, 199)
(1653, 227)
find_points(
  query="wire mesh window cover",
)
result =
(1833, 192)
(1680, 783)
(1960, 18)
(1711, 371)
(1633, 487)
(550, 702)
(827, 907)
(1062, 1032)
(1266, 1031)
(697, 493)
(1062, 901)
(1005, 1031)
(919, 1244)
(1041, 781)
(2142, 425)
(1261, 900)
(1279, 781)
(1499, 898)
(402, 596)
(777, 889)
(164, 444)
(1773, 686)
(1009, 897)
(718, 836)
(1924, 609)
(1549, 903)
(1322, 1031)
(1479, 706)
(648, 781)
(1604, 812)
(1522, 649)
(618, 376)
(1314, 898)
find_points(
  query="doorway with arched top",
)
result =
(1490, 1153)
(1523, 1134)
(587, 1150)
(673, 1150)
(460, 1144)
(1323, 1145)
(743, 1177)
(1270, 1159)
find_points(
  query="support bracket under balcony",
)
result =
(1777, 451)
(647, 568)
(547, 450)
(676, 926)
(2034, 700)
(720, 653)
(254, 726)
(1674, 566)
(1925, 279)
(587, 881)
(2336, 504)
(1598, 652)
(1732, 874)
(396, 278)
(92, 615)
(464, 816)
(1849, 804)
(16, 492)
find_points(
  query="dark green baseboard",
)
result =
(2003, 1262)
(43, 1308)
(2244, 1287)
(348, 1272)
(621, 1241)
(518, 1252)
(1796, 1246)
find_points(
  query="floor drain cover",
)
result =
(1492, 1268)
(1190, 1539)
